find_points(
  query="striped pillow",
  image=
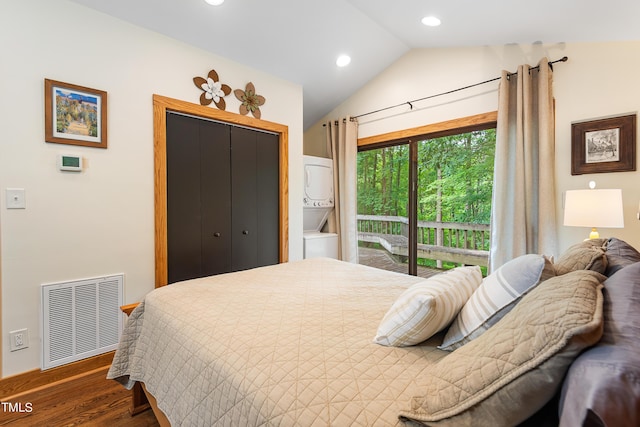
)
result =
(496, 296)
(427, 307)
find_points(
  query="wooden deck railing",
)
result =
(461, 243)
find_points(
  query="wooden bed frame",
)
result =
(141, 399)
(151, 402)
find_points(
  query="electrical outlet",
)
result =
(19, 339)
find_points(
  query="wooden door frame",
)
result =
(162, 105)
(434, 130)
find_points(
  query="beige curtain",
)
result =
(523, 217)
(342, 146)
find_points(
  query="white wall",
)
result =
(100, 221)
(598, 80)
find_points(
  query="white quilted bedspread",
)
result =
(285, 345)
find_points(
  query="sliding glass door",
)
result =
(424, 204)
(383, 197)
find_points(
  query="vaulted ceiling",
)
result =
(300, 40)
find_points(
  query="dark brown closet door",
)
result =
(268, 192)
(215, 176)
(222, 198)
(198, 198)
(254, 207)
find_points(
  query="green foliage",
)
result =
(383, 181)
(455, 178)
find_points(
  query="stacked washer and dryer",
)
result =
(318, 203)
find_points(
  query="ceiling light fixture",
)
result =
(215, 2)
(343, 60)
(430, 21)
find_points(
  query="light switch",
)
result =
(16, 198)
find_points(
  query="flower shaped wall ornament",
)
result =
(251, 101)
(213, 90)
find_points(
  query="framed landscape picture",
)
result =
(604, 145)
(75, 115)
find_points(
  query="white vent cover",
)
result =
(80, 319)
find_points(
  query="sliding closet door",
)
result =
(268, 189)
(244, 227)
(222, 198)
(183, 198)
(254, 207)
(198, 198)
(215, 176)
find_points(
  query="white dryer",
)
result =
(318, 203)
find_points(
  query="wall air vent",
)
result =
(80, 319)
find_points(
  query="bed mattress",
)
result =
(287, 345)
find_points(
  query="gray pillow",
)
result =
(604, 381)
(619, 254)
(496, 296)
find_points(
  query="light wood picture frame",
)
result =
(74, 114)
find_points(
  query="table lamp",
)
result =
(593, 208)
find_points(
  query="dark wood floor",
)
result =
(88, 400)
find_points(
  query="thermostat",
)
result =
(70, 162)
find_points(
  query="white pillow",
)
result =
(427, 307)
(496, 296)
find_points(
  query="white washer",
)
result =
(318, 244)
(318, 204)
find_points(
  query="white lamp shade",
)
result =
(594, 208)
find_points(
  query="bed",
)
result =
(294, 345)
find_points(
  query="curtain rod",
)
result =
(410, 103)
(336, 122)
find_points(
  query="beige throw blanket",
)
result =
(287, 345)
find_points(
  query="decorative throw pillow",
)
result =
(619, 254)
(604, 381)
(496, 296)
(511, 371)
(586, 255)
(427, 307)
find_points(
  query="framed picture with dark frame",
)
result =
(75, 115)
(604, 145)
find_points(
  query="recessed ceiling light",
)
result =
(430, 21)
(343, 60)
(215, 2)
